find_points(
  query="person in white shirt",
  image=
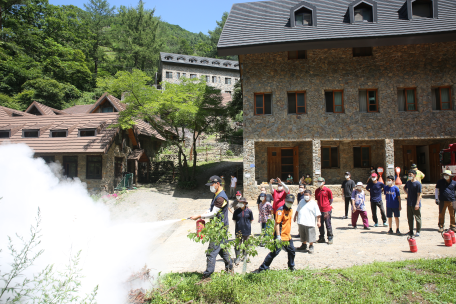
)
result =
(233, 186)
(307, 214)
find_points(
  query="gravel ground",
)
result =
(174, 252)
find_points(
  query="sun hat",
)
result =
(448, 172)
(374, 175)
(359, 184)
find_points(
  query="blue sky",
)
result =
(195, 16)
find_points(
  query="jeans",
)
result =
(364, 217)
(374, 206)
(290, 249)
(413, 214)
(212, 257)
(442, 209)
(347, 204)
(325, 219)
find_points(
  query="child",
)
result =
(283, 217)
(263, 190)
(265, 210)
(243, 217)
(393, 204)
(413, 190)
(324, 199)
(358, 207)
(306, 213)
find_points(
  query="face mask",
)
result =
(308, 176)
(447, 177)
(359, 188)
(213, 190)
(289, 205)
(240, 205)
(238, 197)
(409, 177)
(320, 184)
(307, 198)
(374, 179)
(347, 176)
(280, 188)
(301, 190)
(389, 183)
(262, 199)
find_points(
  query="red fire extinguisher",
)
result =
(447, 238)
(199, 227)
(453, 237)
(412, 243)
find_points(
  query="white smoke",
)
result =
(71, 221)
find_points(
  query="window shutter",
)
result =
(267, 104)
(401, 100)
(329, 101)
(357, 157)
(292, 103)
(334, 157)
(362, 101)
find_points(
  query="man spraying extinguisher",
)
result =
(218, 208)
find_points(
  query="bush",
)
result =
(229, 153)
(239, 133)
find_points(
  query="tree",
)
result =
(4, 6)
(99, 15)
(214, 37)
(189, 105)
(134, 38)
(236, 105)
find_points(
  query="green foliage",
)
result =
(413, 281)
(51, 92)
(235, 106)
(229, 153)
(6, 101)
(239, 133)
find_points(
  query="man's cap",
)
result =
(243, 200)
(347, 173)
(447, 172)
(238, 193)
(290, 198)
(320, 179)
(374, 175)
(359, 184)
(413, 166)
(213, 179)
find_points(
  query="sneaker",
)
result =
(376, 225)
(311, 249)
(398, 232)
(417, 234)
(292, 269)
(440, 229)
(367, 228)
(390, 231)
(410, 233)
(321, 241)
(345, 217)
(385, 224)
(303, 247)
(330, 241)
(354, 227)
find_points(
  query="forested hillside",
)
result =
(55, 54)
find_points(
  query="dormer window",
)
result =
(5, 133)
(227, 64)
(204, 61)
(180, 59)
(303, 14)
(31, 133)
(422, 8)
(59, 133)
(193, 60)
(363, 11)
(169, 57)
(87, 132)
(215, 63)
(236, 65)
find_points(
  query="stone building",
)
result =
(219, 73)
(345, 86)
(83, 140)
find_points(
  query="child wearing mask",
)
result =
(243, 217)
(279, 194)
(263, 190)
(234, 204)
(358, 207)
(282, 220)
(347, 189)
(306, 214)
(393, 204)
(265, 210)
(376, 188)
(324, 198)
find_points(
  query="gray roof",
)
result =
(264, 26)
(199, 61)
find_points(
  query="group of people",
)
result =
(317, 212)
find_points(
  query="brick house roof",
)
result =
(199, 61)
(7, 112)
(43, 109)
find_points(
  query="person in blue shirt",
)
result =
(445, 197)
(376, 188)
(243, 218)
(413, 190)
(393, 204)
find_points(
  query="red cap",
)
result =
(238, 193)
(374, 175)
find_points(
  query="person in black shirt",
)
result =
(347, 189)
(243, 217)
(301, 190)
(445, 197)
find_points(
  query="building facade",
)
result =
(331, 104)
(219, 73)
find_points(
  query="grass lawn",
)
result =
(412, 281)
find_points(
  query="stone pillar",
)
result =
(249, 159)
(316, 160)
(389, 158)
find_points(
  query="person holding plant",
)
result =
(306, 214)
(243, 217)
(282, 232)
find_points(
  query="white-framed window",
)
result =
(227, 80)
(169, 75)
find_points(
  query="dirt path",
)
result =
(174, 252)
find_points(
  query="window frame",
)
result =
(330, 157)
(169, 73)
(9, 133)
(254, 103)
(227, 80)
(31, 130)
(214, 79)
(297, 55)
(406, 103)
(178, 75)
(90, 176)
(376, 100)
(66, 161)
(88, 129)
(440, 98)
(58, 131)
(208, 79)
(361, 153)
(334, 104)
(296, 99)
(193, 76)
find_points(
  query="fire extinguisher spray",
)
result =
(412, 243)
(447, 238)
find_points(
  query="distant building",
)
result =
(219, 73)
(342, 85)
(81, 139)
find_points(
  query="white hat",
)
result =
(360, 184)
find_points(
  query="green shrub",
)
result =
(229, 153)
(239, 133)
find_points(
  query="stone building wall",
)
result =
(423, 66)
(200, 71)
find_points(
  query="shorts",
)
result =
(307, 234)
(391, 211)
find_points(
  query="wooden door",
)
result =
(434, 162)
(296, 164)
(274, 163)
(409, 157)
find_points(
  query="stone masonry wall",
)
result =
(202, 71)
